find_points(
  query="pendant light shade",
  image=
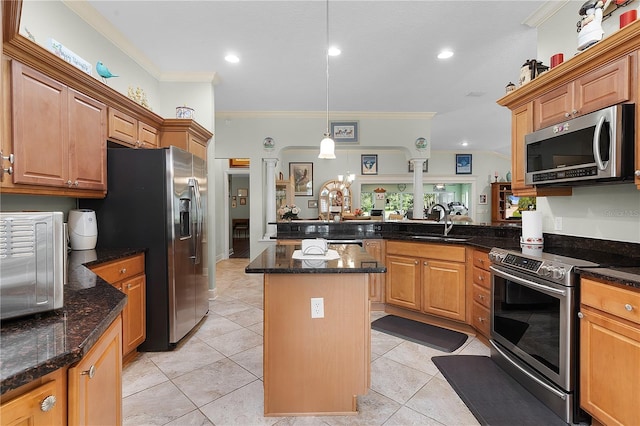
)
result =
(327, 145)
(327, 148)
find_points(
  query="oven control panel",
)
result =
(522, 262)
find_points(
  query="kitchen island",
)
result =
(317, 332)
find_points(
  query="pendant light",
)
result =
(327, 145)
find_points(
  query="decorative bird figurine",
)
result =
(104, 72)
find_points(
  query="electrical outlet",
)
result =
(557, 224)
(317, 307)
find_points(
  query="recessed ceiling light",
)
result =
(232, 58)
(464, 143)
(444, 54)
(334, 51)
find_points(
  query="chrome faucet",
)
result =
(447, 217)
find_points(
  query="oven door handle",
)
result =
(551, 389)
(526, 282)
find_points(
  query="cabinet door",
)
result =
(197, 147)
(554, 106)
(87, 142)
(521, 124)
(376, 281)
(95, 383)
(603, 87)
(133, 315)
(40, 131)
(609, 368)
(122, 127)
(403, 282)
(147, 136)
(443, 289)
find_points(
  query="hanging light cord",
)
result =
(327, 56)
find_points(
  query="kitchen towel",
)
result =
(531, 227)
(329, 255)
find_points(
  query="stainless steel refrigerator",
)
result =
(156, 199)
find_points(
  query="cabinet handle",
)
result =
(48, 403)
(90, 372)
(123, 271)
(8, 170)
(628, 307)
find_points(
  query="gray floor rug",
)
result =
(494, 397)
(424, 334)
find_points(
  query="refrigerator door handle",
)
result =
(196, 242)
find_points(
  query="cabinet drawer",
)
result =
(481, 259)
(616, 301)
(120, 269)
(482, 278)
(481, 319)
(427, 250)
(482, 295)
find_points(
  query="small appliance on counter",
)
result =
(32, 263)
(83, 229)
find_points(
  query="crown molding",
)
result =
(544, 12)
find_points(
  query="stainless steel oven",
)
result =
(534, 334)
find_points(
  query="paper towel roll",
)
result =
(532, 227)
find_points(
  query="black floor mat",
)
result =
(494, 397)
(424, 334)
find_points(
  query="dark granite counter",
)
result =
(625, 276)
(36, 345)
(278, 260)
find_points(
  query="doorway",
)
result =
(238, 213)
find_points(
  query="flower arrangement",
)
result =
(289, 212)
(357, 212)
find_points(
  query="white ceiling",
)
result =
(388, 61)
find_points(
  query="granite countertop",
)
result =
(628, 276)
(278, 260)
(36, 345)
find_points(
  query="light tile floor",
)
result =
(214, 376)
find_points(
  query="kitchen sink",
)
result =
(440, 238)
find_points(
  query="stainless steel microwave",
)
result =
(593, 148)
(32, 263)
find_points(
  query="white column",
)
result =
(270, 195)
(418, 191)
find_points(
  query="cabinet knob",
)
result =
(76, 183)
(580, 315)
(426, 263)
(129, 286)
(575, 112)
(481, 296)
(415, 262)
(123, 271)
(480, 278)
(48, 403)
(90, 372)
(637, 173)
(567, 115)
(628, 307)
(480, 319)
(69, 182)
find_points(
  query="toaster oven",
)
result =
(32, 262)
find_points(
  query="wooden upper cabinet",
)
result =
(186, 134)
(608, 85)
(58, 134)
(131, 131)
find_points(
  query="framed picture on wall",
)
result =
(344, 131)
(243, 201)
(302, 178)
(369, 164)
(243, 192)
(463, 164)
(312, 204)
(482, 199)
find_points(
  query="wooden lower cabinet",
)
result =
(128, 276)
(430, 278)
(88, 393)
(43, 402)
(480, 282)
(375, 248)
(95, 383)
(610, 352)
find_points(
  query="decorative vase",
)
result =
(508, 176)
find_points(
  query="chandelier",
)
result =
(327, 145)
